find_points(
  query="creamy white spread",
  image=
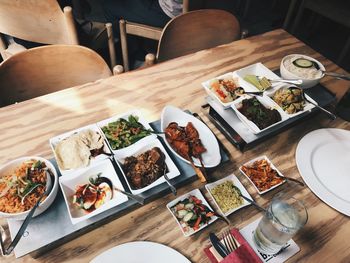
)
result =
(305, 73)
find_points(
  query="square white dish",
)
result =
(55, 140)
(141, 120)
(257, 69)
(68, 185)
(197, 193)
(266, 102)
(272, 166)
(232, 178)
(137, 149)
(207, 84)
(307, 106)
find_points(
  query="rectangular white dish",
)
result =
(232, 178)
(307, 106)
(55, 140)
(272, 166)
(267, 103)
(141, 120)
(257, 69)
(207, 87)
(197, 193)
(68, 185)
(137, 149)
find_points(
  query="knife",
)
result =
(219, 247)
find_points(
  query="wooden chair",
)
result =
(184, 34)
(38, 21)
(42, 22)
(197, 30)
(47, 69)
(141, 30)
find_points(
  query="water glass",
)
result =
(284, 217)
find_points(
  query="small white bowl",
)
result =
(272, 166)
(10, 166)
(307, 82)
(231, 178)
(197, 193)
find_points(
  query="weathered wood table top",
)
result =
(27, 127)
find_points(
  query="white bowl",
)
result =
(307, 82)
(10, 166)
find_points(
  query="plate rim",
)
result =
(313, 182)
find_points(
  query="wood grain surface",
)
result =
(26, 128)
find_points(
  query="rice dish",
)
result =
(226, 196)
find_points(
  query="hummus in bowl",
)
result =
(310, 75)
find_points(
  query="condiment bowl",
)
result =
(288, 71)
(52, 182)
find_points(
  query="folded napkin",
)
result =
(243, 254)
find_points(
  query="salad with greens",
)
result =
(122, 133)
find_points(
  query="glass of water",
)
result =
(282, 220)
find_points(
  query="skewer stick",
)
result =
(203, 167)
(198, 171)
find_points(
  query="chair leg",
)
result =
(185, 6)
(344, 52)
(124, 44)
(298, 17)
(70, 23)
(111, 45)
(290, 12)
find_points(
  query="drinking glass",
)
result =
(284, 217)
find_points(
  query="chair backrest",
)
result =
(135, 29)
(42, 70)
(38, 21)
(197, 30)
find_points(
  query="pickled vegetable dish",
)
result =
(289, 99)
(192, 214)
(122, 133)
(227, 89)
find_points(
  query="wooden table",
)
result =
(27, 127)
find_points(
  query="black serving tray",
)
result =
(240, 136)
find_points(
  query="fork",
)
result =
(229, 241)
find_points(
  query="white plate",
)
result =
(307, 106)
(55, 140)
(238, 184)
(323, 158)
(140, 251)
(199, 195)
(257, 69)
(272, 166)
(100, 124)
(137, 149)
(211, 157)
(207, 84)
(69, 183)
(267, 103)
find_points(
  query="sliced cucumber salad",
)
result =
(303, 63)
